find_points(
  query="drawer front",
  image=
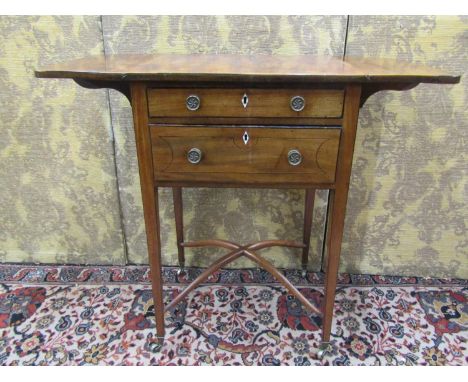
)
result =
(252, 155)
(249, 103)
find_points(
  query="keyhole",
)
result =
(245, 138)
(245, 100)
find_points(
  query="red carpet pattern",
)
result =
(55, 323)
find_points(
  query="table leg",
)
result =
(154, 252)
(179, 225)
(149, 194)
(331, 273)
(308, 213)
(337, 209)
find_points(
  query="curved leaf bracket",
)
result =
(121, 86)
(368, 90)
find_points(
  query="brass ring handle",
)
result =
(194, 155)
(297, 103)
(294, 157)
(193, 102)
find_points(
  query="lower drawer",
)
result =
(245, 155)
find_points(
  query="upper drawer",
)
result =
(251, 103)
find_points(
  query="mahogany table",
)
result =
(245, 121)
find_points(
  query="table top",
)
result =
(209, 67)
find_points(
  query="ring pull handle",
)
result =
(192, 102)
(294, 157)
(194, 155)
(297, 103)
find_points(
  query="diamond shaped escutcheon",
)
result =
(245, 137)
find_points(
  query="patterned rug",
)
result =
(104, 316)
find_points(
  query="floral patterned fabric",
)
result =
(407, 209)
(84, 324)
(59, 201)
(70, 191)
(10, 273)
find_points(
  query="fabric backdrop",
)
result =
(69, 190)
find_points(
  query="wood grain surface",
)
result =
(261, 103)
(263, 159)
(258, 68)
